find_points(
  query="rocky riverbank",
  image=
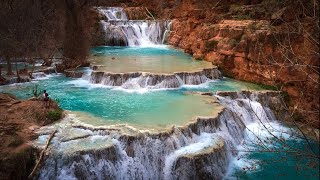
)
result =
(18, 121)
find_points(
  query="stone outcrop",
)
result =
(271, 99)
(26, 76)
(14, 79)
(137, 13)
(210, 163)
(18, 121)
(73, 73)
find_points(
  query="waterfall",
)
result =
(113, 13)
(154, 81)
(147, 80)
(200, 149)
(38, 75)
(119, 31)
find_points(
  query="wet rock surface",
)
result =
(209, 164)
(14, 79)
(200, 149)
(144, 79)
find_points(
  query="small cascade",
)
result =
(203, 148)
(38, 75)
(166, 32)
(113, 13)
(154, 81)
(119, 31)
(21, 79)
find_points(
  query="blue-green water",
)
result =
(163, 108)
(136, 51)
(157, 108)
(295, 160)
(154, 60)
(112, 105)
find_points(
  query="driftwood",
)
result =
(150, 14)
(42, 155)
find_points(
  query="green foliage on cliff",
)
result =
(252, 27)
(54, 115)
(267, 87)
(233, 42)
(286, 97)
(243, 37)
(238, 12)
(212, 44)
(36, 91)
(15, 141)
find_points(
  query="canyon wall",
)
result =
(268, 42)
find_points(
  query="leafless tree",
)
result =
(293, 65)
(29, 29)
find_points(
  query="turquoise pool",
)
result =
(113, 105)
(160, 108)
(152, 59)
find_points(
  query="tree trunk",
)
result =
(47, 62)
(77, 41)
(17, 71)
(26, 68)
(9, 67)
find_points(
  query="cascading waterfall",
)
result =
(113, 13)
(201, 149)
(119, 31)
(140, 80)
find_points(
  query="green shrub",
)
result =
(243, 37)
(267, 87)
(54, 115)
(15, 141)
(286, 97)
(57, 100)
(241, 16)
(235, 8)
(211, 44)
(252, 27)
(36, 91)
(297, 116)
(233, 42)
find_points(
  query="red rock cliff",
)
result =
(261, 41)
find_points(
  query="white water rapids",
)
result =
(119, 31)
(204, 149)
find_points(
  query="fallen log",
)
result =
(42, 155)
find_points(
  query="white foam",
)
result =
(138, 90)
(38, 64)
(203, 141)
(265, 133)
(86, 84)
(140, 33)
(199, 86)
(134, 87)
(46, 76)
